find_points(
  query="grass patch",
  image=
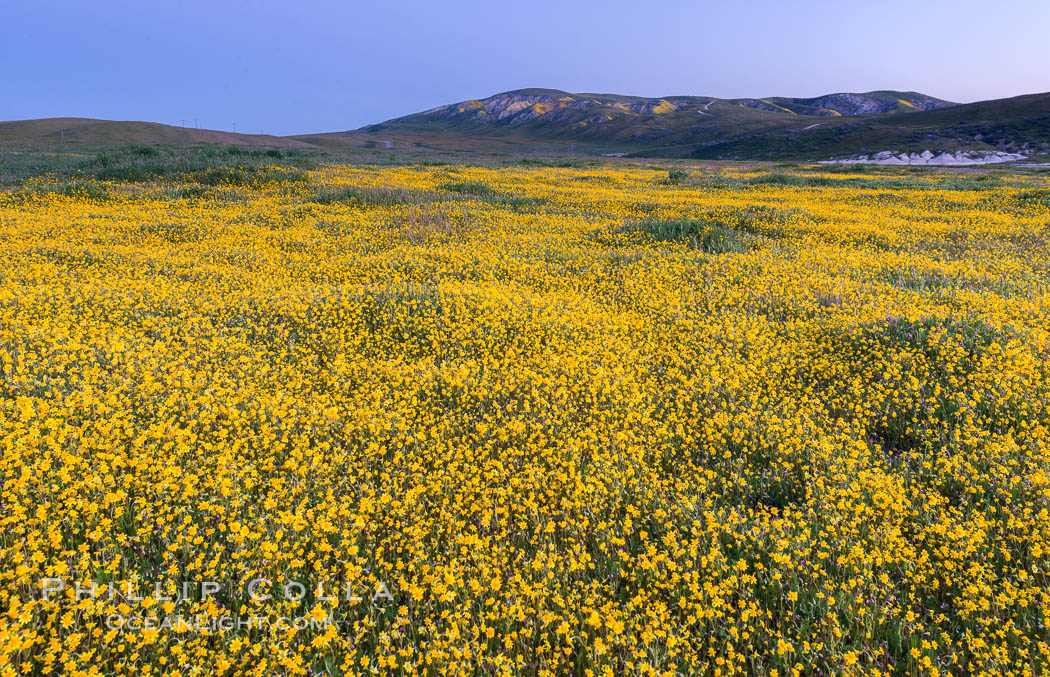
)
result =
(518, 203)
(84, 191)
(557, 164)
(973, 182)
(777, 179)
(139, 163)
(373, 196)
(706, 235)
(1032, 198)
(190, 192)
(847, 169)
(250, 176)
(889, 182)
(757, 219)
(134, 173)
(804, 181)
(675, 177)
(469, 188)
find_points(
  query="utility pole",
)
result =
(195, 125)
(234, 127)
(183, 123)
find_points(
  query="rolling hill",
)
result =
(90, 133)
(820, 128)
(834, 127)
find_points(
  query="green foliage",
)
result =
(558, 164)
(758, 219)
(518, 203)
(469, 188)
(893, 181)
(252, 176)
(132, 173)
(846, 169)
(776, 179)
(141, 164)
(369, 196)
(1033, 198)
(675, 177)
(86, 191)
(143, 151)
(971, 182)
(188, 192)
(707, 235)
(18, 168)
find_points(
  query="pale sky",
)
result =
(321, 65)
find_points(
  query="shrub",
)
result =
(142, 150)
(708, 236)
(675, 177)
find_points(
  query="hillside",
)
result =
(606, 118)
(848, 104)
(87, 132)
(554, 107)
(820, 128)
(881, 126)
(1019, 125)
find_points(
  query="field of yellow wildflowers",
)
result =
(597, 420)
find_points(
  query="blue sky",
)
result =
(320, 65)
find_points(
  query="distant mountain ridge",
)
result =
(850, 104)
(825, 127)
(523, 105)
